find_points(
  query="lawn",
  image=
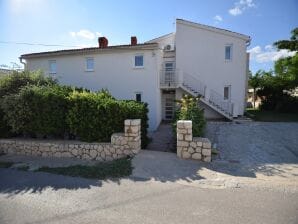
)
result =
(271, 116)
(114, 169)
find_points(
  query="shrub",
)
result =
(37, 110)
(95, 116)
(11, 84)
(189, 110)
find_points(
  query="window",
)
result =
(52, 67)
(228, 52)
(227, 92)
(89, 64)
(139, 61)
(138, 97)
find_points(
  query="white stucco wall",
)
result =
(201, 53)
(114, 71)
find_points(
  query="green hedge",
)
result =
(95, 116)
(37, 110)
(45, 109)
(11, 84)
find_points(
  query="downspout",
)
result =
(21, 61)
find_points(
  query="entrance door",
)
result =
(169, 72)
(168, 106)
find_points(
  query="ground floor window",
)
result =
(227, 92)
(139, 97)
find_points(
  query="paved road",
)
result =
(254, 180)
(28, 197)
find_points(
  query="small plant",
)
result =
(190, 110)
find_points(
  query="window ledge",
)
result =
(138, 67)
(89, 70)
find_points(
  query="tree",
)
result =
(291, 44)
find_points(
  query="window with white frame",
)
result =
(228, 52)
(89, 64)
(52, 67)
(139, 61)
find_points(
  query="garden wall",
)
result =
(191, 148)
(122, 145)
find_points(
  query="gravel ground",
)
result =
(265, 150)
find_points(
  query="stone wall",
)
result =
(122, 145)
(191, 148)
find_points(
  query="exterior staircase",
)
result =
(193, 86)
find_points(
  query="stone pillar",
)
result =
(191, 148)
(132, 132)
(184, 138)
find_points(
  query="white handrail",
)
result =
(194, 84)
(218, 100)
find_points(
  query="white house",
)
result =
(196, 59)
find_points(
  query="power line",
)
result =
(36, 44)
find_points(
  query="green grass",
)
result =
(114, 169)
(271, 116)
(4, 164)
(23, 168)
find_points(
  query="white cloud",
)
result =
(86, 34)
(241, 6)
(235, 11)
(269, 54)
(217, 18)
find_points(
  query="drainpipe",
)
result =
(21, 61)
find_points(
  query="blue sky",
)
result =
(78, 23)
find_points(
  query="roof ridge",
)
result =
(213, 27)
(77, 50)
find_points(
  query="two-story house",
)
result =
(196, 59)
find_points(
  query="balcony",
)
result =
(171, 79)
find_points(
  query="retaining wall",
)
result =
(122, 145)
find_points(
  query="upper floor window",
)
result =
(89, 64)
(52, 67)
(139, 61)
(228, 52)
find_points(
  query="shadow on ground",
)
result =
(249, 150)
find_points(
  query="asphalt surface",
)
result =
(29, 197)
(253, 180)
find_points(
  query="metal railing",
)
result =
(193, 84)
(218, 101)
(169, 78)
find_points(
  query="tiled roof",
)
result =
(91, 50)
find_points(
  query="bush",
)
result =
(189, 110)
(95, 116)
(36, 106)
(11, 84)
(37, 110)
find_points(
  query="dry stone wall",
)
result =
(191, 148)
(122, 145)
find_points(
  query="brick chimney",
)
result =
(102, 42)
(133, 40)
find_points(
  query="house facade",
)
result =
(195, 60)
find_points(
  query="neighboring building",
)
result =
(250, 99)
(196, 59)
(5, 71)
